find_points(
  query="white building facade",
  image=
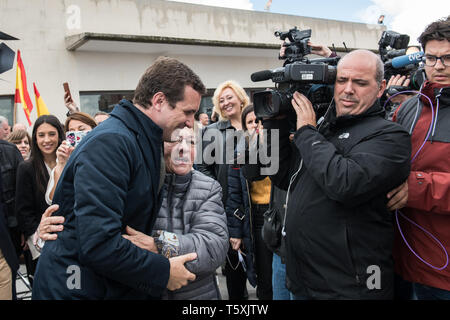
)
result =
(102, 47)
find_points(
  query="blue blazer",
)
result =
(110, 181)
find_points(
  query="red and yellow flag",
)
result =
(41, 107)
(22, 101)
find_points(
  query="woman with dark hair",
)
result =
(229, 100)
(77, 123)
(32, 179)
(246, 204)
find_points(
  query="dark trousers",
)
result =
(263, 256)
(30, 265)
(403, 290)
(424, 292)
(236, 277)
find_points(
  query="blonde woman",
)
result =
(229, 100)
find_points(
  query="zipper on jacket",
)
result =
(352, 258)
(292, 179)
(436, 117)
(169, 202)
(250, 213)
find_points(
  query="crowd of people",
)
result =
(359, 208)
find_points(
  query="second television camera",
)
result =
(314, 78)
(398, 61)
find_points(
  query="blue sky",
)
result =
(404, 16)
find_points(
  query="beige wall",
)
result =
(43, 25)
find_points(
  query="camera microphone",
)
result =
(405, 60)
(261, 75)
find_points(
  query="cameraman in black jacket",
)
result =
(339, 232)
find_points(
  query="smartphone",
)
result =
(67, 90)
(75, 137)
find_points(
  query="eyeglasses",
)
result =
(430, 61)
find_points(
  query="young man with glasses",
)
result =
(425, 197)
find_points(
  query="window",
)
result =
(92, 102)
(206, 105)
(7, 107)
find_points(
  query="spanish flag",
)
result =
(22, 101)
(41, 107)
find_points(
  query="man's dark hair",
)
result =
(438, 30)
(169, 76)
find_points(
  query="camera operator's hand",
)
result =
(320, 50)
(304, 110)
(282, 50)
(399, 80)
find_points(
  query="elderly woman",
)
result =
(191, 219)
(22, 140)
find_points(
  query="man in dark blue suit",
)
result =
(112, 180)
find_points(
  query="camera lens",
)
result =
(266, 103)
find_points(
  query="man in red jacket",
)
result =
(425, 198)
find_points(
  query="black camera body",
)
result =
(298, 47)
(398, 44)
(313, 78)
(394, 40)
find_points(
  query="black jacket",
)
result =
(31, 204)
(338, 227)
(6, 245)
(252, 172)
(10, 158)
(239, 218)
(217, 171)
